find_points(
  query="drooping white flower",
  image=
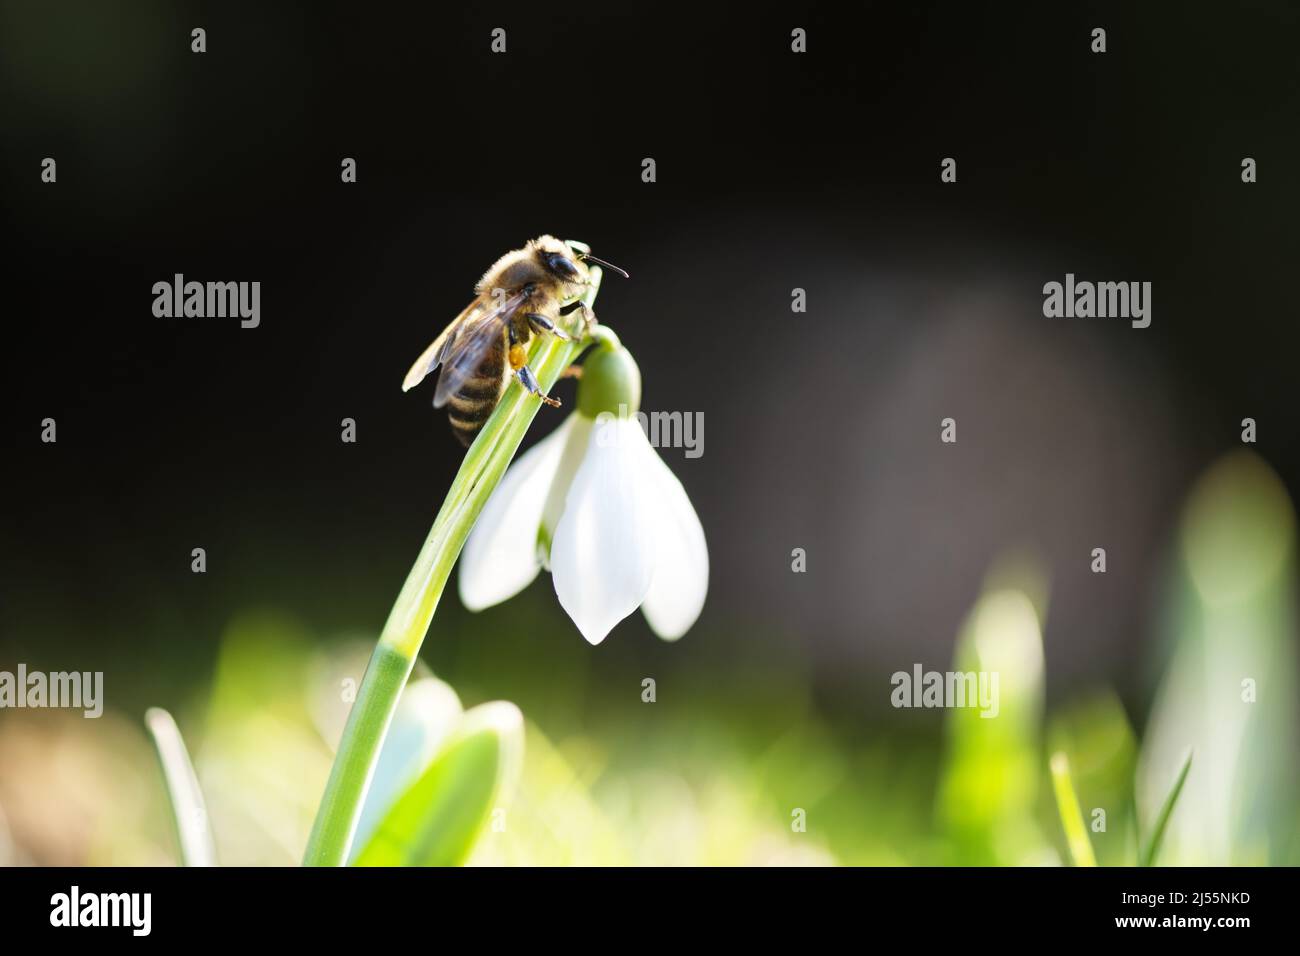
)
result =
(596, 505)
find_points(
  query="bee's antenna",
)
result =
(588, 257)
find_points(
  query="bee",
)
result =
(525, 292)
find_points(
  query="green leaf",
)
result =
(438, 819)
(1067, 804)
(427, 714)
(1158, 834)
(189, 814)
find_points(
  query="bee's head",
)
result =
(567, 261)
(559, 260)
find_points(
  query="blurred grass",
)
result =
(1229, 690)
(1095, 734)
(990, 787)
(1067, 804)
(732, 752)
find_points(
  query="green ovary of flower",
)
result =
(611, 380)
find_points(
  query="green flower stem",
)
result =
(408, 623)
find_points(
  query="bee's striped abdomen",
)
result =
(470, 407)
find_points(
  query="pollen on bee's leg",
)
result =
(517, 357)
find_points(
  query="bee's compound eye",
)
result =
(562, 265)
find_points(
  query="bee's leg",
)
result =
(541, 323)
(573, 371)
(588, 316)
(519, 363)
(525, 376)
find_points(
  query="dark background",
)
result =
(774, 171)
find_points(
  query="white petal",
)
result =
(681, 576)
(575, 450)
(500, 557)
(605, 547)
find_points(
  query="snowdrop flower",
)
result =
(595, 505)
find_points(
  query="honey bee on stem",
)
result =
(525, 292)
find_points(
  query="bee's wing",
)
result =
(427, 361)
(433, 355)
(473, 339)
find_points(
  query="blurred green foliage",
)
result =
(733, 754)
